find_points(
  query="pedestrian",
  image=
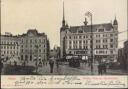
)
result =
(43, 63)
(85, 62)
(57, 64)
(104, 68)
(46, 63)
(51, 63)
(24, 63)
(100, 69)
(15, 63)
(1, 67)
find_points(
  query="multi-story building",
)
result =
(121, 59)
(34, 46)
(123, 56)
(76, 40)
(126, 53)
(9, 46)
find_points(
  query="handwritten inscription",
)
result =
(60, 81)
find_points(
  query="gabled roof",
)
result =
(34, 32)
(87, 28)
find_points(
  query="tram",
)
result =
(74, 62)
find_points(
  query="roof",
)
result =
(34, 32)
(115, 22)
(87, 28)
(11, 36)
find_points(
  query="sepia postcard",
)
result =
(64, 44)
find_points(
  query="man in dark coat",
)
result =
(1, 66)
(51, 63)
(104, 68)
(100, 69)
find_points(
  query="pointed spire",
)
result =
(63, 12)
(63, 22)
(115, 21)
(115, 16)
(66, 24)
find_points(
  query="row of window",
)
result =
(33, 51)
(88, 52)
(80, 30)
(10, 52)
(9, 43)
(89, 46)
(9, 47)
(33, 41)
(32, 46)
(32, 57)
(104, 52)
(89, 41)
(89, 36)
(17, 47)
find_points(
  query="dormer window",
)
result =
(80, 31)
(101, 30)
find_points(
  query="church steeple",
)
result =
(63, 21)
(115, 21)
(115, 24)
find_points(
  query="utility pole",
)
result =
(92, 58)
(127, 33)
(89, 14)
(36, 46)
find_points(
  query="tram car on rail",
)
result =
(74, 62)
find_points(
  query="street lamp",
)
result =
(89, 14)
(36, 63)
(64, 53)
(36, 58)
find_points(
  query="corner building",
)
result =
(34, 46)
(126, 54)
(76, 40)
(9, 46)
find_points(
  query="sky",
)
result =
(17, 16)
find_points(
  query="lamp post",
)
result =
(89, 14)
(36, 58)
(64, 53)
(127, 33)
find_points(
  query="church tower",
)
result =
(63, 35)
(115, 24)
(63, 21)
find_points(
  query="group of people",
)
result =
(102, 68)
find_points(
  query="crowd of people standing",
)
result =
(102, 68)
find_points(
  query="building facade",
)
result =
(34, 46)
(76, 40)
(121, 58)
(55, 52)
(126, 53)
(10, 46)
